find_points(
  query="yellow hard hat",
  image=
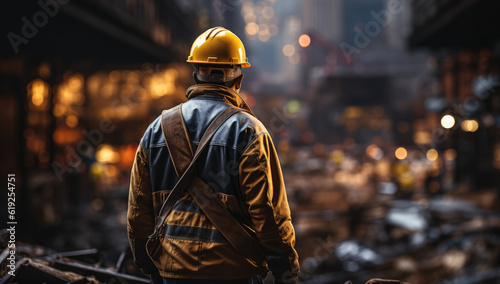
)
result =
(218, 46)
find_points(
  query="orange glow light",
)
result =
(432, 155)
(304, 40)
(401, 153)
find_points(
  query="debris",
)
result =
(408, 215)
(34, 265)
(36, 271)
(421, 238)
(104, 275)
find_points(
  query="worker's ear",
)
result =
(237, 84)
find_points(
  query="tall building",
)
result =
(324, 17)
(364, 63)
(463, 37)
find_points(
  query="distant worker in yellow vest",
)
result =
(231, 221)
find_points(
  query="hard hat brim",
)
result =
(243, 65)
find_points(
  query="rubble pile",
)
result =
(358, 233)
(36, 264)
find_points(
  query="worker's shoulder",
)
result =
(153, 136)
(238, 131)
(245, 124)
(250, 121)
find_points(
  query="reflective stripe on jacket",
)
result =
(242, 166)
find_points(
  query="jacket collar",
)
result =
(229, 96)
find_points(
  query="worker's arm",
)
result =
(140, 214)
(264, 190)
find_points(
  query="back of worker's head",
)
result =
(217, 74)
(218, 56)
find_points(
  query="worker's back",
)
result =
(194, 245)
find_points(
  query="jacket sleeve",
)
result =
(263, 188)
(140, 214)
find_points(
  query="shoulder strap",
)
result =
(172, 134)
(239, 238)
(175, 133)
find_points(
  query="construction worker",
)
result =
(240, 164)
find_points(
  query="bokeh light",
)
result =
(448, 121)
(72, 121)
(268, 12)
(107, 154)
(401, 153)
(450, 154)
(304, 40)
(252, 28)
(288, 50)
(250, 18)
(374, 152)
(469, 125)
(432, 154)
